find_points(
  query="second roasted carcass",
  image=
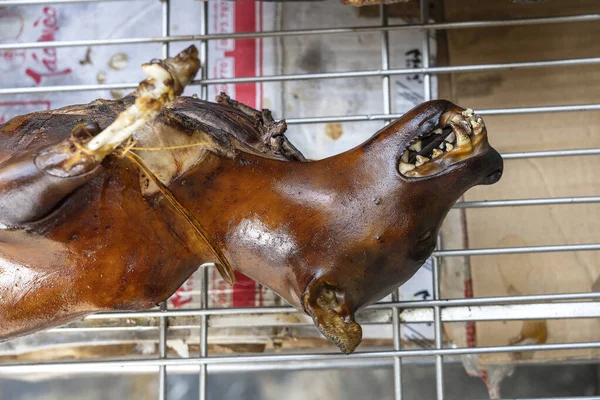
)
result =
(112, 205)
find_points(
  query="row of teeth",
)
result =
(453, 140)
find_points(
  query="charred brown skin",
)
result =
(329, 236)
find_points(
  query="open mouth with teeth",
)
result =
(461, 137)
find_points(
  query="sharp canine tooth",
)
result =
(405, 167)
(421, 160)
(438, 131)
(404, 157)
(436, 153)
(477, 125)
(462, 139)
(416, 146)
(450, 138)
(449, 147)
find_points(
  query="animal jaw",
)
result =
(462, 136)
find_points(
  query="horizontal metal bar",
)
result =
(193, 312)
(96, 329)
(528, 202)
(551, 153)
(6, 3)
(508, 312)
(539, 109)
(454, 302)
(556, 398)
(247, 367)
(424, 315)
(228, 368)
(408, 71)
(237, 359)
(322, 75)
(408, 315)
(67, 88)
(300, 32)
(382, 305)
(490, 111)
(517, 250)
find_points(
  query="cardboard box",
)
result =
(524, 274)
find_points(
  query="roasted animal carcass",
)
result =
(112, 205)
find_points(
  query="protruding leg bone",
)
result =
(31, 186)
(166, 80)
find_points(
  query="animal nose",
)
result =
(493, 177)
(495, 164)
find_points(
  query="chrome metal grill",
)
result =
(437, 310)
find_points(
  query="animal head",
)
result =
(422, 163)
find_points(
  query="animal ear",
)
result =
(331, 312)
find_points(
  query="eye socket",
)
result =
(424, 236)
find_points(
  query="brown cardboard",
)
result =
(531, 178)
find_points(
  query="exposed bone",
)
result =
(449, 147)
(404, 157)
(166, 80)
(146, 107)
(436, 153)
(467, 113)
(405, 167)
(421, 160)
(416, 146)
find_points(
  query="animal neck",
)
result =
(376, 158)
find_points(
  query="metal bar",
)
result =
(397, 333)
(219, 368)
(540, 109)
(411, 315)
(408, 71)
(237, 359)
(437, 325)
(204, 51)
(552, 153)
(408, 315)
(424, 11)
(381, 305)
(387, 110)
(67, 88)
(322, 75)
(491, 111)
(518, 250)
(203, 374)
(510, 312)
(557, 398)
(296, 32)
(162, 345)
(7, 3)
(385, 62)
(528, 202)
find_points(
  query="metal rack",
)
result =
(437, 310)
